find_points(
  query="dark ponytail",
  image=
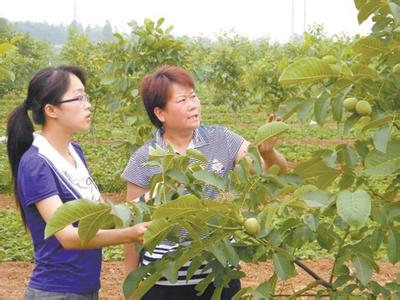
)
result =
(46, 87)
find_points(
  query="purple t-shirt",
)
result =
(56, 269)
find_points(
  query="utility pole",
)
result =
(304, 19)
(75, 11)
(292, 19)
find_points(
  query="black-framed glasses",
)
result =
(81, 98)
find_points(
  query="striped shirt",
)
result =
(220, 146)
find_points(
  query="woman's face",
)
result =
(74, 115)
(182, 110)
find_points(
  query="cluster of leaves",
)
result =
(224, 69)
(131, 57)
(20, 57)
(15, 244)
(370, 76)
(80, 51)
(232, 70)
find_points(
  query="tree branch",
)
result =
(314, 275)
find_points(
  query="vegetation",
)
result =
(58, 34)
(340, 198)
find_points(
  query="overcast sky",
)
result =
(252, 18)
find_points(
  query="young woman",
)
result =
(172, 105)
(48, 170)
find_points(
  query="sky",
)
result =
(208, 18)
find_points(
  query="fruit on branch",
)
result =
(350, 104)
(252, 226)
(330, 59)
(363, 108)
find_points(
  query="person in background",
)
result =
(170, 99)
(48, 170)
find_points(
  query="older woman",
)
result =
(172, 105)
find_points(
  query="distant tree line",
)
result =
(58, 34)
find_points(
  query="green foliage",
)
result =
(20, 57)
(354, 208)
(131, 57)
(15, 243)
(269, 130)
(92, 216)
(58, 34)
(5, 172)
(5, 74)
(367, 77)
(80, 51)
(307, 70)
(225, 71)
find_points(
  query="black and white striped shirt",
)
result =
(220, 146)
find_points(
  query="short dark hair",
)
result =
(155, 88)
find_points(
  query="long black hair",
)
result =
(46, 87)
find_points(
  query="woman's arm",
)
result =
(69, 237)
(131, 257)
(271, 156)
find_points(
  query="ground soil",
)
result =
(14, 276)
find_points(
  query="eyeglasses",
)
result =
(81, 98)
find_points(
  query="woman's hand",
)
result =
(138, 231)
(269, 154)
(267, 146)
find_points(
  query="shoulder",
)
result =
(33, 165)
(31, 159)
(214, 128)
(142, 153)
(213, 132)
(208, 131)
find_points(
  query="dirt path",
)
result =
(7, 202)
(14, 277)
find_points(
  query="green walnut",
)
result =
(330, 59)
(363, 108)
(350, 104)
(252, 226)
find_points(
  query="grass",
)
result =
(16, 244)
